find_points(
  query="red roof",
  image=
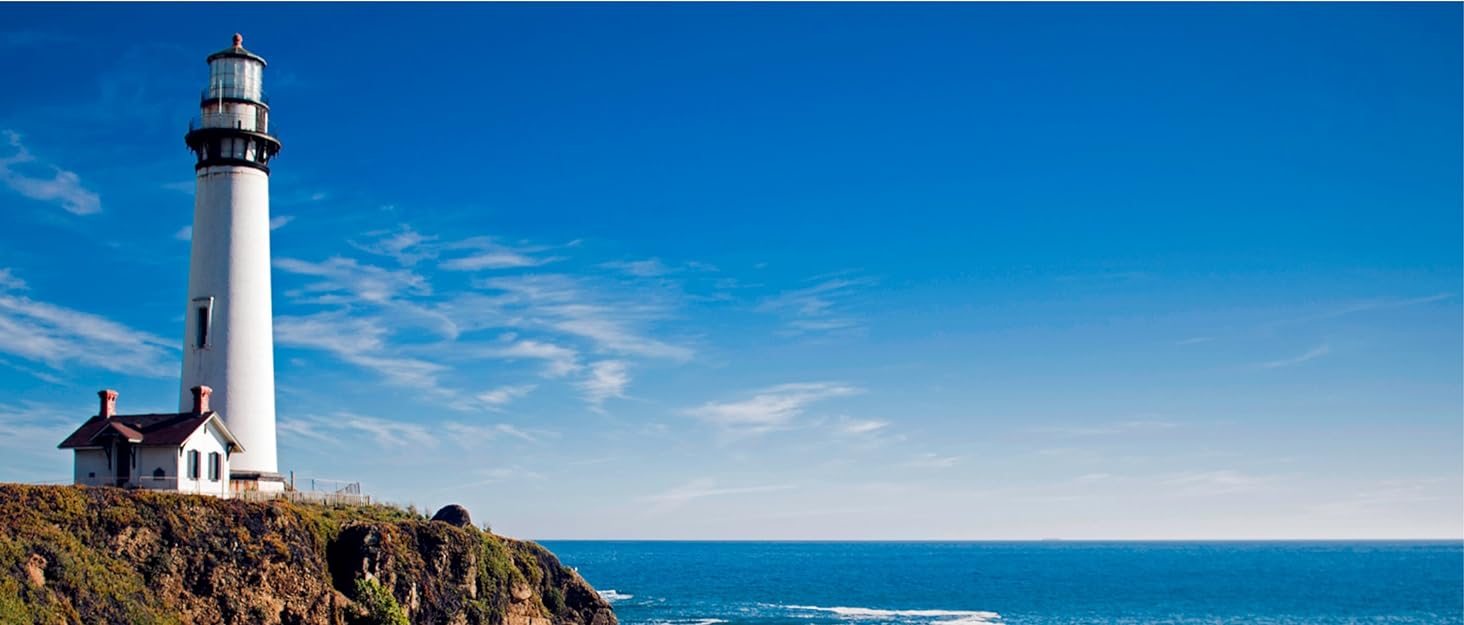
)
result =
(142, 429)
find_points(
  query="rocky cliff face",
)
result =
(101, 555)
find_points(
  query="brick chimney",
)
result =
(109, 403)
(200, 399)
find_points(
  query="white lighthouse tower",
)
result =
(229, 341)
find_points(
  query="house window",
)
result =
(193, 465)
(203, 317)
(159, 474)
(213, 466)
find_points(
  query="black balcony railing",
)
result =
(247, 122)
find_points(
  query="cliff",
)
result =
(104, 555)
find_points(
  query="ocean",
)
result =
(1024, 583)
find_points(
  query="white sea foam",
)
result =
(689, 621)
(938, 617)
(612, 596)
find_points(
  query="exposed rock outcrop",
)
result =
(455, 515)
(103, 555)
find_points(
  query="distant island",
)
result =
(75, 554)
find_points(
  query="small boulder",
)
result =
(454, 514)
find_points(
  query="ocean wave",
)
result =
(939, 617)
(689, 621)
(612, 596)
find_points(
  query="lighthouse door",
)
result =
(123, 455)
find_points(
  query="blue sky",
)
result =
(783, 271)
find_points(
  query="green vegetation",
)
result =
(105, 555)
(554, 600)
(381, 608)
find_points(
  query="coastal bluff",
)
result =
(105, 555)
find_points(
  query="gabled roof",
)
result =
(147, 429)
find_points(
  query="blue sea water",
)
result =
(1024, 583)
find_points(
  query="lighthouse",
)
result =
(229, 335)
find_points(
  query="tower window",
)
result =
(203, 318)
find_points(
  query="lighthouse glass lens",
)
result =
(233, 77)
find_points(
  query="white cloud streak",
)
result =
(9, 281)
(1311, 354)
(503, 395)
(818, 308)
(705, 488)
(857, 426)
(345, 280)
(394, 434)
(57, 336)
(563, 304)
(360, 342)
(1105, 429)
(933, 461)
(558, 360)
(769, 409)
(607, 379)
(57, 186)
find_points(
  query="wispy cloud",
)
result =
(933, 461)
(344, 427)
(561, 320)
(1389, 494)
(559, 361)
(1220, 482)
(1368, 305)
(407, 246)
(705, 488)
(1104, 429)
(607, 379)
(184, 234)
(280, 221)
(565, 304)
(769, 409)
(1311, 354)
(654, 267)
(861, 426)
(819, 308)
(388, 433)
(358, 341)
(9, 281)
(484, 477)
(486, 253)
(647, 268)
(505, 394)
(57, 336)
(32, 431)
(53, 184)
(468, 434)
(345, 279)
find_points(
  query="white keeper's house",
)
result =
(184, 451)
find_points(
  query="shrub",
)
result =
(381, 607)
(554, 600)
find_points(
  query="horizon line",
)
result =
(1001, 540)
